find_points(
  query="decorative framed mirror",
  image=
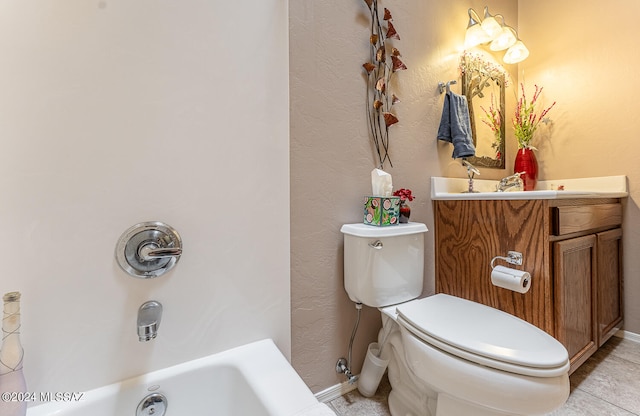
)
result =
(484, 84)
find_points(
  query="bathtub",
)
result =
(253, 379)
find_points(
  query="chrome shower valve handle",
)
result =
(148, 249)
(152, 251)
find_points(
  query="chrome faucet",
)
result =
(511, 183)
(471, 172)
(149, 316)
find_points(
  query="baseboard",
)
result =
(343, 388)
(628, 335)
(334, 392)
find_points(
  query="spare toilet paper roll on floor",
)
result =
(516, 280)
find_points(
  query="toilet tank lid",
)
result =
(364, 230)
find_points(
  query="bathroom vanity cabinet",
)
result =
(571, 247)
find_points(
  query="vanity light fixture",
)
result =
(500, 35)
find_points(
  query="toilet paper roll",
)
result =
(516, 280)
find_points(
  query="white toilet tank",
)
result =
(383, 265)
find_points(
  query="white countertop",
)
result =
(600, 187)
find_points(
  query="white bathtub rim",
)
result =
(282, 390)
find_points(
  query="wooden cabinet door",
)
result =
(609, 311)
(576, 297)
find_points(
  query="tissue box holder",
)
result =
(381, 211)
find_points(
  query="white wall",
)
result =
(114, 112)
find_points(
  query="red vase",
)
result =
(526, 162)
(405, 213)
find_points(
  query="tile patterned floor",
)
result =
(608, 384)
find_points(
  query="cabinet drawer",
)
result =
(573, 219)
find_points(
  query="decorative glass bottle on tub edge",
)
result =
(12, 382)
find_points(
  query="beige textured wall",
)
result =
(586, 58)
(331, 156)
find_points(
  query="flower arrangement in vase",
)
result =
(525, 123)
(405, 210)
(380, 72)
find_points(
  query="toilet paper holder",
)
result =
(513, 257)
(508, 278)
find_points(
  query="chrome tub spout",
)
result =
(149, 316)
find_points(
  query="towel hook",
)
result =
(442, 86)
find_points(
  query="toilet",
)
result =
(448, 356)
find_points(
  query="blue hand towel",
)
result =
(455, 126)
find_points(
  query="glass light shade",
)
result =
(516, 53)
(475, 34)
(490, 24)
(504, 40)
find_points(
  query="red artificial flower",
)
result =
(404, 194)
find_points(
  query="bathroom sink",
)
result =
(600, 187)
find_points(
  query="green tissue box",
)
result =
(381, 210)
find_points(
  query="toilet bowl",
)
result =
(478, 360)
(448, 356)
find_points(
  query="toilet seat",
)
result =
(484, 335)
